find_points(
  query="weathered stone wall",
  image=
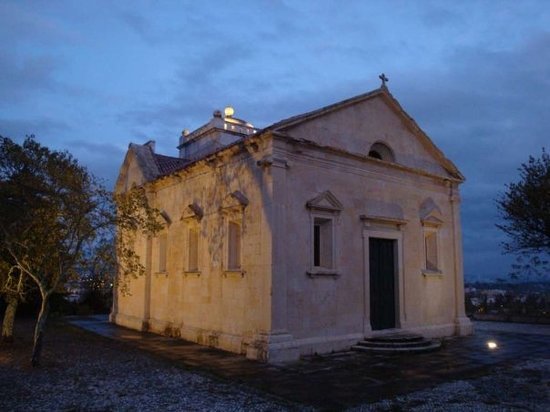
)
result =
(326, 312)
(357, 127)
(278, 307)
(331, 312)
(212, 306)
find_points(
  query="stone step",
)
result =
(397, 337)
(400, 342)
(377, 344)
(432, 346)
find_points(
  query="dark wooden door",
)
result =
(382, 283)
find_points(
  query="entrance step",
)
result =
(397, 343)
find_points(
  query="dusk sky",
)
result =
(90, 77)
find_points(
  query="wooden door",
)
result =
(382, 283)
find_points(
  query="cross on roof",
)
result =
(384, 79)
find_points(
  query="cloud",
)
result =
(18, 129)
(487, 109)
(101, 158)
(21, 22)
(198, 87)
(21, 77)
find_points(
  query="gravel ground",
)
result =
(523, 387)
(83, 372)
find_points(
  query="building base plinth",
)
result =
(464, 326)
(273, 348)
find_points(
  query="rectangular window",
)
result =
(193, 250)
(322, 243)
(162, 252)
(430, 244)
(234, 246)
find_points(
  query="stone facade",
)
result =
(274, 239)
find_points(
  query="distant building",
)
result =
(302, 237)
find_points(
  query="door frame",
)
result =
(387, 303)
(383, 228)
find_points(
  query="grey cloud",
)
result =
(18, 129)
(488, 112)
(200, 86)
(20, 78)
(102, 159)
(19, 22)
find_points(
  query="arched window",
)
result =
(382, 152)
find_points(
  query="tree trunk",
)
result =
(39, 330)
(9, 317)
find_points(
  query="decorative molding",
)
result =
(323, 274)
(240, 197)
(234, 202)
(326, 201)
(432, 221)
(192, 212)
(430, 213)
(265, 162)
(270, 161)
(385, 220)
(166, 217)
(432, 273)
(233, 273)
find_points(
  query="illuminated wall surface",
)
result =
(301, 237)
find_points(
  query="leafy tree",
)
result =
(52, 211)
(525, 211)
(98, 274)
(14, 287)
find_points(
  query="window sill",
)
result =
(323, 273)
(233, 273)
(196, 273)
(432, 273)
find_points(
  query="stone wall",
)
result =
(211, 305)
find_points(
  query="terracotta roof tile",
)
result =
(169, 164)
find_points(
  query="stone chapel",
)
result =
(302, 237)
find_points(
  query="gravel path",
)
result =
(84, 372)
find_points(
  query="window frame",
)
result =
(228, 247)
(192, 219)
(162, 253)
(383, 151)
(431, 228)
(328, 208)
(189, 269)
(233, 211)
(326, 220)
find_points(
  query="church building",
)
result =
(302, 237)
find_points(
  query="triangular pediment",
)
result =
(193, 211)
(355, 124)
(432, 221)
(235, 200)
(164, 214)
(430, 213)
(326, 201)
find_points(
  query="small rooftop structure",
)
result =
(222, 130)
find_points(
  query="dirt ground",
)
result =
(84, 372)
